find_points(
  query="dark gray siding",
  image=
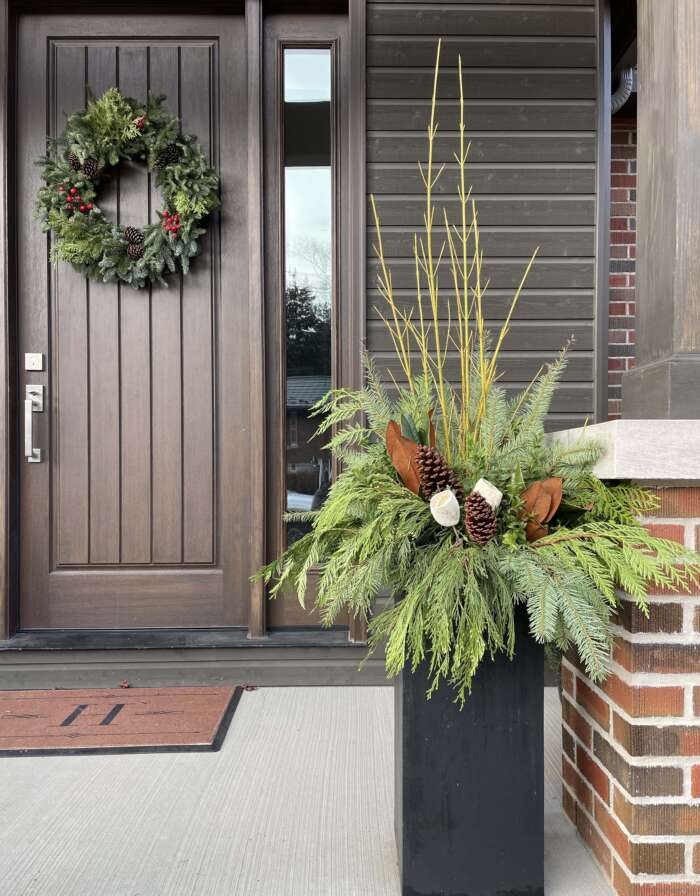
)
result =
(530, 84)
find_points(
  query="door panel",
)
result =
(136, 515)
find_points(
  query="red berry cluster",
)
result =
(73, 200)
(171, 223)
(140, 122)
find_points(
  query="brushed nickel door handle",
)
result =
(33, 404)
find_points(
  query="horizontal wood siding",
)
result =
(530, 85)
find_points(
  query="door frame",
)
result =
(353, 337)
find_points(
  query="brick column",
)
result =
(631, 747)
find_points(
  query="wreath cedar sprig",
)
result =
(114, 128)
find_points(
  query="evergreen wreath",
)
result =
(111, 129)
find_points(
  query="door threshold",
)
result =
(174, 639)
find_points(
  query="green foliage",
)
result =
(453, 601)
(108, 132)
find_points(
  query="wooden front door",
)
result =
(137, 515)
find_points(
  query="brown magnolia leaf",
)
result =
(402, 453)
(553, 487)
(536, 503)
(541, 501)
(535, 530)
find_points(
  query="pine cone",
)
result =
(134, 251)
(435, 474)
(73, 161)
(91, 168)
(480, 520)
(133, 235)
(168, 156)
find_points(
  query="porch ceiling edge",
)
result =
(658, 452)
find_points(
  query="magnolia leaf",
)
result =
(541, 501)
(402, 453)
(553, 487)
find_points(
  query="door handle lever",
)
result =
(33, 404)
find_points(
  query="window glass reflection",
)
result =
(308, 274)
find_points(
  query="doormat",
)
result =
(115, 720)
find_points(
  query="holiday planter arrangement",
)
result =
(492, 540)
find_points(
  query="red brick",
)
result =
(618, 280)
(696, 859)
(619, 194)
(623, 208)
(618, 337)
(695, 781)
(624, 180)
(576, 722)
(593, 773)
(657, 819)
(595, 842)
(619, 309)
(623, 237)
(613, 832)
(668, 531)
(625, 887)
(641, 702)
(595, 705)
(625, 152)
(621, 223)
(567, 680)
(569, 805)
(656, 740)
(621, 251)
(678, 501)
(572, 779)
(661, 616)
(640, 858)
(619, 135)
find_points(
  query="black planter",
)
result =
(469, 783)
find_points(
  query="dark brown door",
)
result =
(137, 514)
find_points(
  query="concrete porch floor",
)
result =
(298, 802)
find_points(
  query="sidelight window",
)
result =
(307, 181)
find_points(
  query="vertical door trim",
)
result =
(256, 292)
(6, 614)
(354, 327)
(602, 213)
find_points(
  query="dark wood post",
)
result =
(666, 381)
(469, 783)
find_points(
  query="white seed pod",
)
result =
(445, 508)
(489, 493)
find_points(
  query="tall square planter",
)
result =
(469, 811)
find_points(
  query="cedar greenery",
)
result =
(114, 128)
(453, 599)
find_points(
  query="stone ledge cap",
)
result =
(662, 452)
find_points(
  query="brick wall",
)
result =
(623, 244)
(631, 748)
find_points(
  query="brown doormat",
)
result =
(115, 720)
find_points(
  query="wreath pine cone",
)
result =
(73, 161)
(134, 251)
(435, 474)
(479, 519)
(168, 156)
(133, 235)
(91, 168)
